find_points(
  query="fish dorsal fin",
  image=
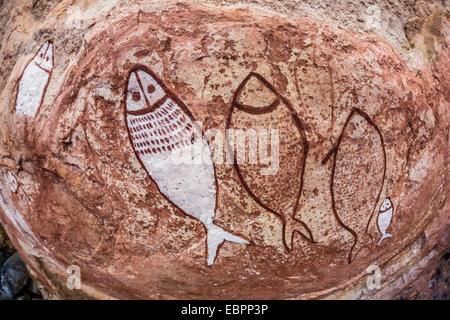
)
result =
(256, 95)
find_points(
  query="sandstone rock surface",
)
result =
(361, 118)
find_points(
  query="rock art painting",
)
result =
(34, 81)
(10, 209)
(123, 141)
(14, 185)
(256, 104)
(355, 175)
(12, 182)
(384, 219)
(164, 135)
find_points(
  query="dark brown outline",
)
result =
(333, 152)
(169, 93)
(301, 128)
(50, 73)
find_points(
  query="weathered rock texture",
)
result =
(362, 116)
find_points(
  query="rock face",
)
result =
(118, 123)
(14, 277)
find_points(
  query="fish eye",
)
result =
(136, 96)
(151, 88)
(46, 59)
(41, 55)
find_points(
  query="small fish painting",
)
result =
(384, 218)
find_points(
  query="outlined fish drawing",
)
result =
(256, 104)
(161, 130)
(357, 179)
(34, 81)
(384, 218)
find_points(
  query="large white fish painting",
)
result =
(161, 130)
(384, 219)
(34, 81)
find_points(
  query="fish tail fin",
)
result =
(385, 236)
(292, 226)
(365, 241)
(216, 236)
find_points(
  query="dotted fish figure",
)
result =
(34, 81)
(358, 174)
(257, 105)
(384, 218)
(162, 130)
